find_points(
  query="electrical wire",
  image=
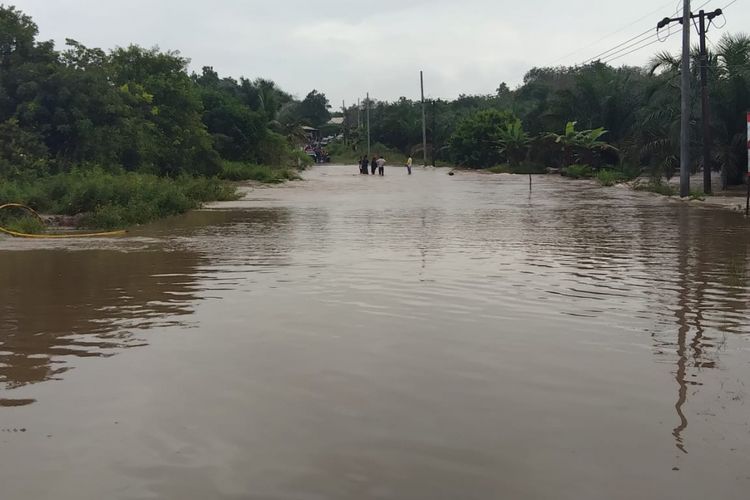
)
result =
(634, 41)
(629, 46)
(634, 50)
(620, 30)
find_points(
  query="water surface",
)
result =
(423, 337)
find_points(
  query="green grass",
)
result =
(111, 200)
(240, 171)
(657, 186)
(500, 169)
(610, 177)
(579, 172)
(23, 224)
(697, 195)
(524, 168)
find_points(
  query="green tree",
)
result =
(313, 110)
(476, 139)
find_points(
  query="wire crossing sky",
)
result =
(348, 47)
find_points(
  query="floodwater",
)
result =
(349, 337)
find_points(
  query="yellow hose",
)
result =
(51, 236)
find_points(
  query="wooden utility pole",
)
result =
(424, 121)
(685, 106)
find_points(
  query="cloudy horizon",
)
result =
(346, 49)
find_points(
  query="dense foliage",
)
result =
(595, 114)
(134, 110)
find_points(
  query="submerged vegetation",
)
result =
(127, 136)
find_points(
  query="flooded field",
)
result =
(349, 337)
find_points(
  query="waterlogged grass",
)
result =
(24, 224)
(524, 168)
(579, 172)
(114, 200)
(656, 186)
(239, 171)
(610, 177)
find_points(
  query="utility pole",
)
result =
(368, 124)
(685, 106)
(705, 105)
(705, 110)
(345, 124)
(433, 134)
(686, 18)
(424, 121)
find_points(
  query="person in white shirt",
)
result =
(381, 164)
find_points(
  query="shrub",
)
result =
(609, 177)
(112, 200)
(579, 172)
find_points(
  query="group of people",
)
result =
(317, 153)
(378, 163)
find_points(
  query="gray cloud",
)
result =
(346, 48)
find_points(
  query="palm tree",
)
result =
(732, 100)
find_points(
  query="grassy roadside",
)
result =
(115, 199)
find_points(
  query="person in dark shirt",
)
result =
(374, 165)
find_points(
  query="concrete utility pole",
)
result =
(686, 18)
(705, 107)
(705, 110)
(424, 121)
(368, 124)
(345, 124)
(685, 107)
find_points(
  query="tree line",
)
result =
(135, 108)
(598, 115)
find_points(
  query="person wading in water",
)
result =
(363, 165)
(374, 164)
(408, 165)
(381, 164)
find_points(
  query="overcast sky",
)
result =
(345, 48)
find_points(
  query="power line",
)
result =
(609, 35)
(635, 50)
(633, 41)
(606, 53)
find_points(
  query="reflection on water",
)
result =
(422, 337)
(57, 304)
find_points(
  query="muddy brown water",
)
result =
(350, 337)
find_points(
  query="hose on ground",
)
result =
(33, 212)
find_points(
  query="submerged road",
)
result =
(407, 337)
